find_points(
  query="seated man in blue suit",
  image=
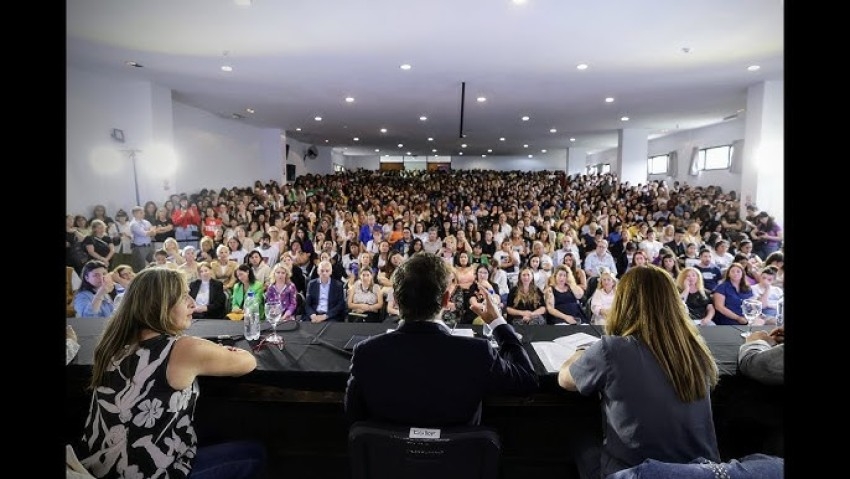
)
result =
(325, 299)
(421, 375)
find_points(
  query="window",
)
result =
(338, 168)
(606, 168)
(716, 158)
(657, 165)
(592, 169)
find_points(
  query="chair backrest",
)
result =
(379, 451)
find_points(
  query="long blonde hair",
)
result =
(146, 305)
(648, 307)
(532, 296)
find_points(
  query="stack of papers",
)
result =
(553, 353)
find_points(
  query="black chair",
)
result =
(379, 451)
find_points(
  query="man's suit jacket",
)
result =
(420, 375)
(217, 301)
(337, 302)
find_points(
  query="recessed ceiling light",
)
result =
(531, 156)
(242, 3)
(553, 130)
(525, 118)
(408, 153)
(400, 145)
(133, 64)
(502, 139)
(460, 153)
(481, 99)
(753, 68)
(423, 118)
(226, 68)
(249, 110)
(377, 150)
(525, 146)
(318, 118)
(490, 150)
(625, 118)
(519, 2)
(349, 99)
(356, 139)
(543, 151)
(298, 129)
(610, 99)
(463, 145)
(430, 138)
(483, 156)
(582, 66)
(383, 130)
(405, 66)
(434, 150)
(572, 139)
(327, 141)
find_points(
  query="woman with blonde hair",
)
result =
(562, 298)
(603, 297)
(172, 247)
(696, 298)
(282, 290)
(145, 369)
(654, 372)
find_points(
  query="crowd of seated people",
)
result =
(513, 222)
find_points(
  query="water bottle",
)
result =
(780, 312)
(251, 317)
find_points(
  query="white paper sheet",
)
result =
(552, 354)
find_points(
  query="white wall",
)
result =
(367, 162)
(321, 165)
(97, 172)
(210, 151)
(715, 135)
(549, 161)
(214, 152)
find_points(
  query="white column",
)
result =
(632, 154)
(763, 168)
(576, 160)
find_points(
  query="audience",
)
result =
(512, 216)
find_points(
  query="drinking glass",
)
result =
(751, 309)
(273, 313)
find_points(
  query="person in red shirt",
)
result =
(186, 220)
(212, 222)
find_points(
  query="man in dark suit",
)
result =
(215, 307)
(421, 375)
(678, 246)
(325, 297)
